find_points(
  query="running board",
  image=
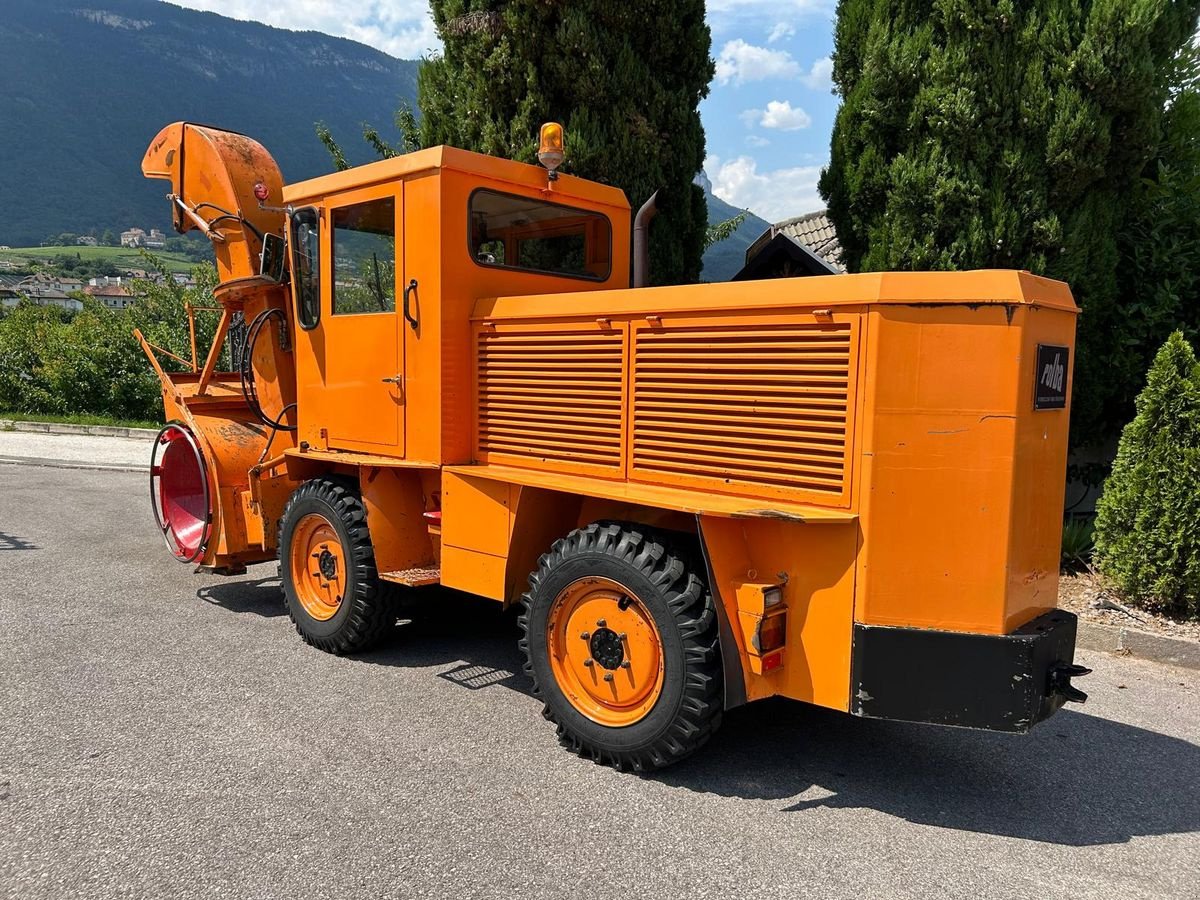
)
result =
(414, 577)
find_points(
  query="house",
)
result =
(155, 240)
(113, 296)
(805, 245)
(86, 241)
(10, 292)
(44, 290)
(134, 237)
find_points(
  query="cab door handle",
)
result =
(395, 379)
(410, 288)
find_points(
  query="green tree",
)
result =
(1147, 541)
(1159, 276)
(976, 133)
(56, 361)
(723, 231)
(624, 79)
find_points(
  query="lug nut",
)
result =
(625, 665)
(608, 676)
(601, 623)
(589, 662)
(586, 635)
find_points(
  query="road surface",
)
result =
(167, 735)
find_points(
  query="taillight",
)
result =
(772, 632)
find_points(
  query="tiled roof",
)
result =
(814, 230)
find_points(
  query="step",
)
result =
(419, 577)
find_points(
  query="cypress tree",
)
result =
(624, 79)
(978, 134)
(1147, 541)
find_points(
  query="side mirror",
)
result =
(274, 255)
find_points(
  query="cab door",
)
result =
(364, 364)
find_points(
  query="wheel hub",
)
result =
(327, 563)
(605, 651)
(316, 570)
(607, 648)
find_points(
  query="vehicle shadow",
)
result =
(12, 542)
(1076, 780)
(438, 626)
(261, 596)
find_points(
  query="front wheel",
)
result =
(620, 639)
(330, 585)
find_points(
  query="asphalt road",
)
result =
(167, 735)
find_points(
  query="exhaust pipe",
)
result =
(641, 250)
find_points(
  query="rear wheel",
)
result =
(330, 585)
(620, 639)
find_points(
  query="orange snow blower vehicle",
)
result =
(845, 490)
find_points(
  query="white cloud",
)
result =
(757, 140)
(774, 195)
(402, 28)
(740, 62)
(820, 76)
(781, 115)
(780, 31)
(750, 117)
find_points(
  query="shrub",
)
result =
(64, 363)
(1078, 543)
(1148, 519)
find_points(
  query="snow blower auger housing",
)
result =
(845, 490)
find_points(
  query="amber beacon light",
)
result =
(550, 147)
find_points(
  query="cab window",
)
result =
(512, 232)
(306, 266)
(364, 257)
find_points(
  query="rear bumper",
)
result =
(1004, 682)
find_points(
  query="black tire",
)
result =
(367, 612)
(674, 593)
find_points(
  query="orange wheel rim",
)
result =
(318, 566)
(605, 651)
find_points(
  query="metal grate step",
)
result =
(414, 577)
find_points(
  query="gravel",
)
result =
(1081, 593)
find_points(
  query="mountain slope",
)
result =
(85, 85)
(725, 259)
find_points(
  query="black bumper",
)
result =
(1004, 682)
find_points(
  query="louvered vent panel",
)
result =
(551, 397)
(752, 405)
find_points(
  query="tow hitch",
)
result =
(1060, 681)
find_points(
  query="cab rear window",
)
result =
(511, 232)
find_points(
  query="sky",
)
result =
(768, 117)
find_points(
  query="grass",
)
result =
(126, 257)
(79, 419)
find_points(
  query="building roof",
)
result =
(111, 290)
(814, 230)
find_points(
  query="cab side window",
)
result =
(306, 266)
(364, 257)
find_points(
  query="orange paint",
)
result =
(605, 651)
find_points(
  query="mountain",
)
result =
(85, 85)
(725, 259)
